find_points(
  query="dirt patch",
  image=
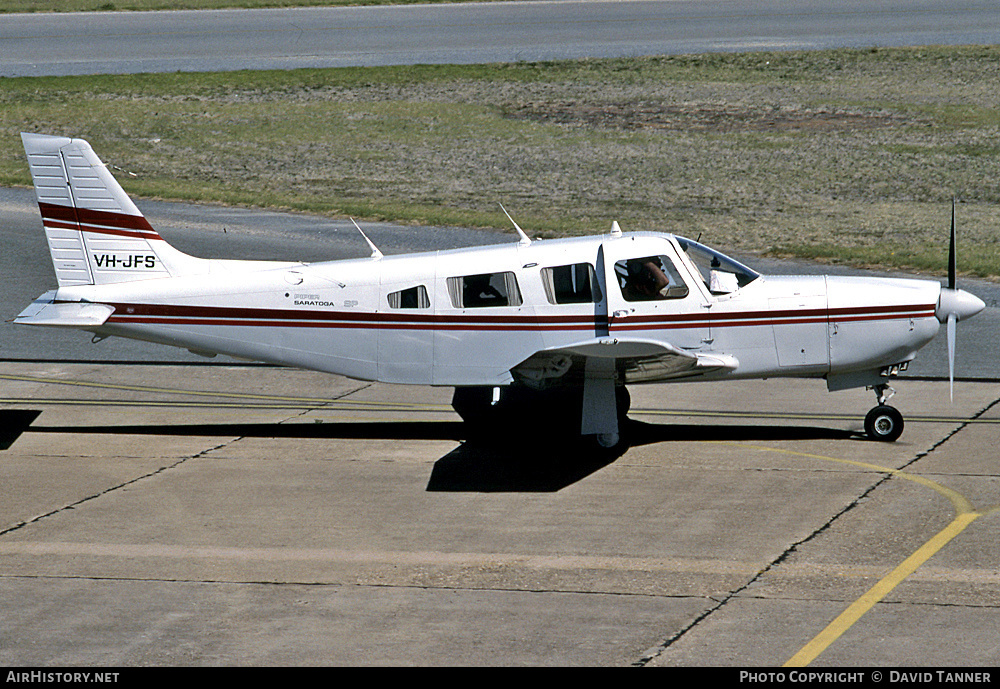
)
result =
(703, 117)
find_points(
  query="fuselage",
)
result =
(473, 316)
(572, 319)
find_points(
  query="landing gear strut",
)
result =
(618, 439)
(884, 423)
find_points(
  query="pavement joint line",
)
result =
(302, 411)
(880, 590)
(202, 453)
(656, 651)
(81, 501)
(812, 416)
(964, 517)
(353, 584)
(331, 405)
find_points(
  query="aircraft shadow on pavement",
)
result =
(531, 463)
(481, 463)
(641, 433)
(524, 464)
(14, 422)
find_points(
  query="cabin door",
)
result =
(650, 294)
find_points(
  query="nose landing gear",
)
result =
(883, 423)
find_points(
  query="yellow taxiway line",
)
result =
(965, 514)
(876, 593)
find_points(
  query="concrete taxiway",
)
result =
(249, 515)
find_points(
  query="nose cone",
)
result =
(958, 302)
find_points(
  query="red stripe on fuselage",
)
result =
(153, 314)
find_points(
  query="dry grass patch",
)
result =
(844, 155)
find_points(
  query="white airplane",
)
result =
(568, 322)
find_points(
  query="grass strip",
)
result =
(841, 155)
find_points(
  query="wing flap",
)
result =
(624, 348)
(666, 367)
(45, 311)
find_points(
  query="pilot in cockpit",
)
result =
(645, 280)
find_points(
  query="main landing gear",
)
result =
(883, 423)
(617, 440)
(554, 414)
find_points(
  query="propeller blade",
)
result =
(954, 305)
(951, 354)
(952, 260)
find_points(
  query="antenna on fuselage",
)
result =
(616, 230)
(375, 252)
(525, 241)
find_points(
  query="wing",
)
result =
(643, 360)
(601, 360)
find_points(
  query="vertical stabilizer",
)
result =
(96, 234)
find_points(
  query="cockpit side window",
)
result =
(649, 278)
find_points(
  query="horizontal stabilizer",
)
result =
(47, 312)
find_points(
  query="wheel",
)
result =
(884, 423)
(607, 445)
(608, 441)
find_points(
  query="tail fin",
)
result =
(96, 234)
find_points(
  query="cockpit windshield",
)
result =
(721, 274)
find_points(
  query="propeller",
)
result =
(955, 304)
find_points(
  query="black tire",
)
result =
(884, 423)
(608, 445)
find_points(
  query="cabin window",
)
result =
(649, 278)
(572, 284)
(412, 298)
(484, 290)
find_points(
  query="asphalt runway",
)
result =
(461, 33)
(236, 515)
